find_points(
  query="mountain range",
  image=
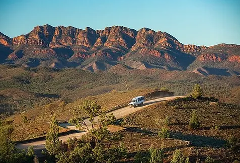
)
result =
(101, 50)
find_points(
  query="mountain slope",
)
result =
(94, 50)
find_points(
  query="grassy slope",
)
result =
(22, 89)
(40, 92)
(38, 118)
(219, 122)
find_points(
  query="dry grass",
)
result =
(218, 121)
(114, 128)
(37, 120)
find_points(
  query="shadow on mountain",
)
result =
(64, 52)
(33, 62)
(185, 59)
(4, 52)
(218, 71)
(215, 71)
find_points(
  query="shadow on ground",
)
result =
(195, 140)
(199, 141)
(139, 130)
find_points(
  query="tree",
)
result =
(156, 155)
(92, 109)
(8, 152)
(7, 148)
(194, 122)
(52, 141)
(197, 91)
(92, 147)
(177, 157)
(164, 133)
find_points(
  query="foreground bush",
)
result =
(95, 146)
(178, 157)
(8, 151)
(164, 133)
(156, 155)
(194, 122)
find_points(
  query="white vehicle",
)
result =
(137, 101)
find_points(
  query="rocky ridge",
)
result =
(94, 50)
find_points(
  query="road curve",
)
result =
(39, 145)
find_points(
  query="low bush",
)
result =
(156, 155)
(194, 122)
(177, 157)
(164, 133)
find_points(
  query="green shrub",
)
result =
(197, 91)
(187, 160)
(164, 133)
(53, 143)
(8, 151)
(194, 122)
(167, 121)
(115, 153)
(91, 147)
(209, 160)
(164, 89)
(177, 157)
(156, 155)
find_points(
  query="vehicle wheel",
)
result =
(141, 104)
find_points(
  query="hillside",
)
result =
(163, 126)
(219, 127)
(25, 88)
(94, 50)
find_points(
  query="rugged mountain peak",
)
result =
(120, 37)
(86, 37)
(41, 35)
(160, 40)
(100, 49)
(144, 38)
(5, 40)
(63, 36)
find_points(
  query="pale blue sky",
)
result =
(200, 22)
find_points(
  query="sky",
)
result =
(199, 22)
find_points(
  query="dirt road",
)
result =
(39, 145)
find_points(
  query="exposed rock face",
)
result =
(193, 48)
(100, 49)
(15, 55)
(223, 58)
(5, 47)
(234, 58)
(5, 40)
(120, 37)
(211, 57)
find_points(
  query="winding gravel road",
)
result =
(39, 145)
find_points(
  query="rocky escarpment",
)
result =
(219, 57)
(5, 47)
(95, 50)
